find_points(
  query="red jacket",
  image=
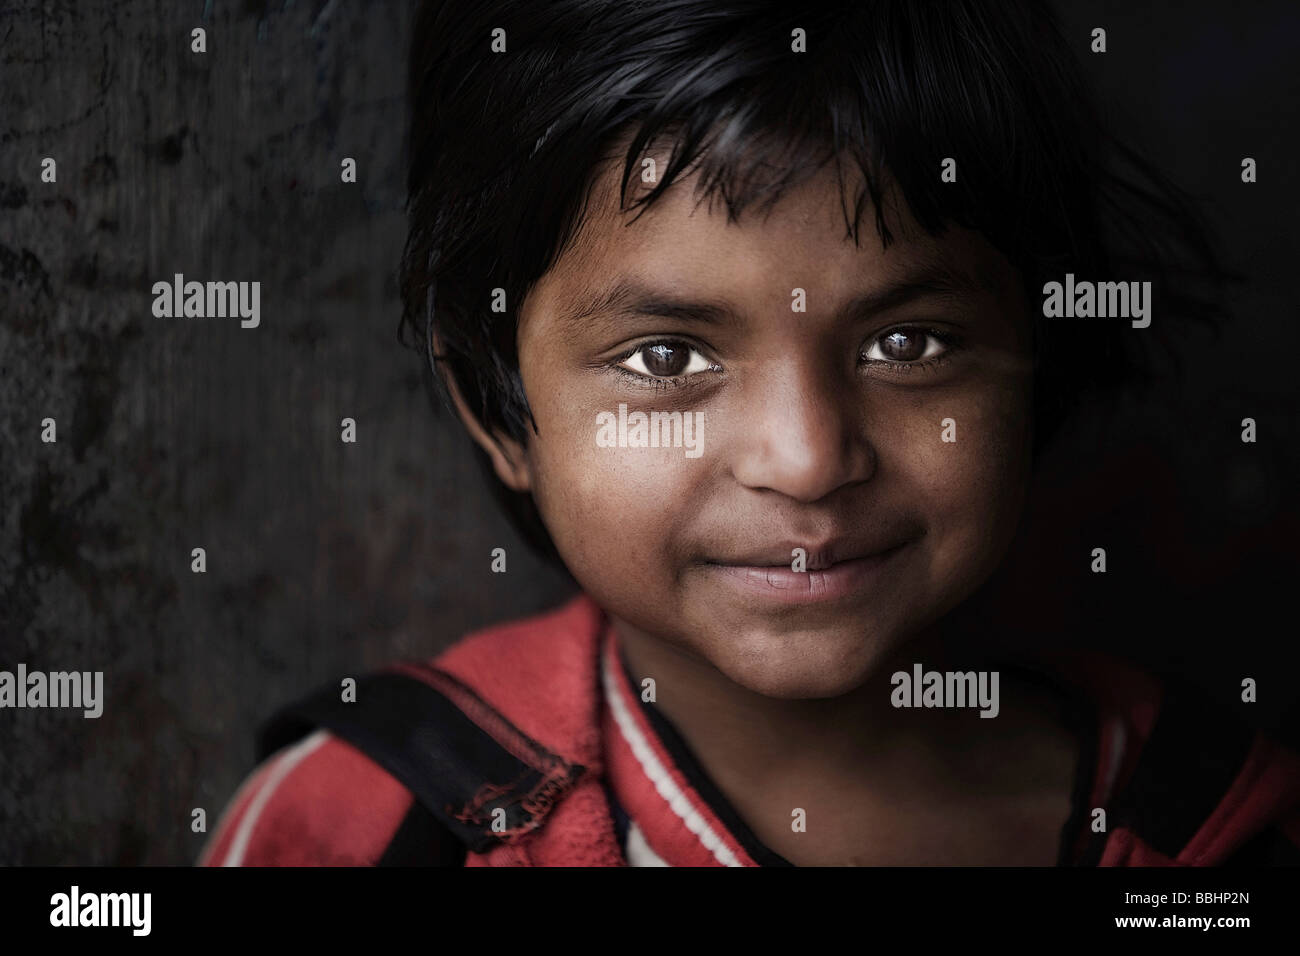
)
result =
(529, 744)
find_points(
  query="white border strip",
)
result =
(287, 761)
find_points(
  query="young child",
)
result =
(781, 454)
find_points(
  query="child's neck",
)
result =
(852, 761)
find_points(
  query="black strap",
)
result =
(1194, 753)
(457, 771)
(420, 840)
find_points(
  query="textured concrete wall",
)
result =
(181, 433)
(325, 558)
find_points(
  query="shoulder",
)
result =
(540, 673)
(317, 802)
(531, 643)
(319, 798)
(1255, 818)
(1183, 778)
(1201, 784)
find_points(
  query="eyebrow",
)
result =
(628, 297)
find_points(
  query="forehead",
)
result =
(687, 242)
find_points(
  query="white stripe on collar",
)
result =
(658, 774)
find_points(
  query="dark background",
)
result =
(326, 559)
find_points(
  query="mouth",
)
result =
(827, 578)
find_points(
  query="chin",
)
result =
(793, 663)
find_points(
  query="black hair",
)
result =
(503, 147)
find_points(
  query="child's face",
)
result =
(809, 438)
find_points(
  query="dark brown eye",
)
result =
(903, 345)
(666, 360)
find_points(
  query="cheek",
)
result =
(607, 508)
(970, 490)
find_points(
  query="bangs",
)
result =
(887, 92)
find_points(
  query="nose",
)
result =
(802, 436)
